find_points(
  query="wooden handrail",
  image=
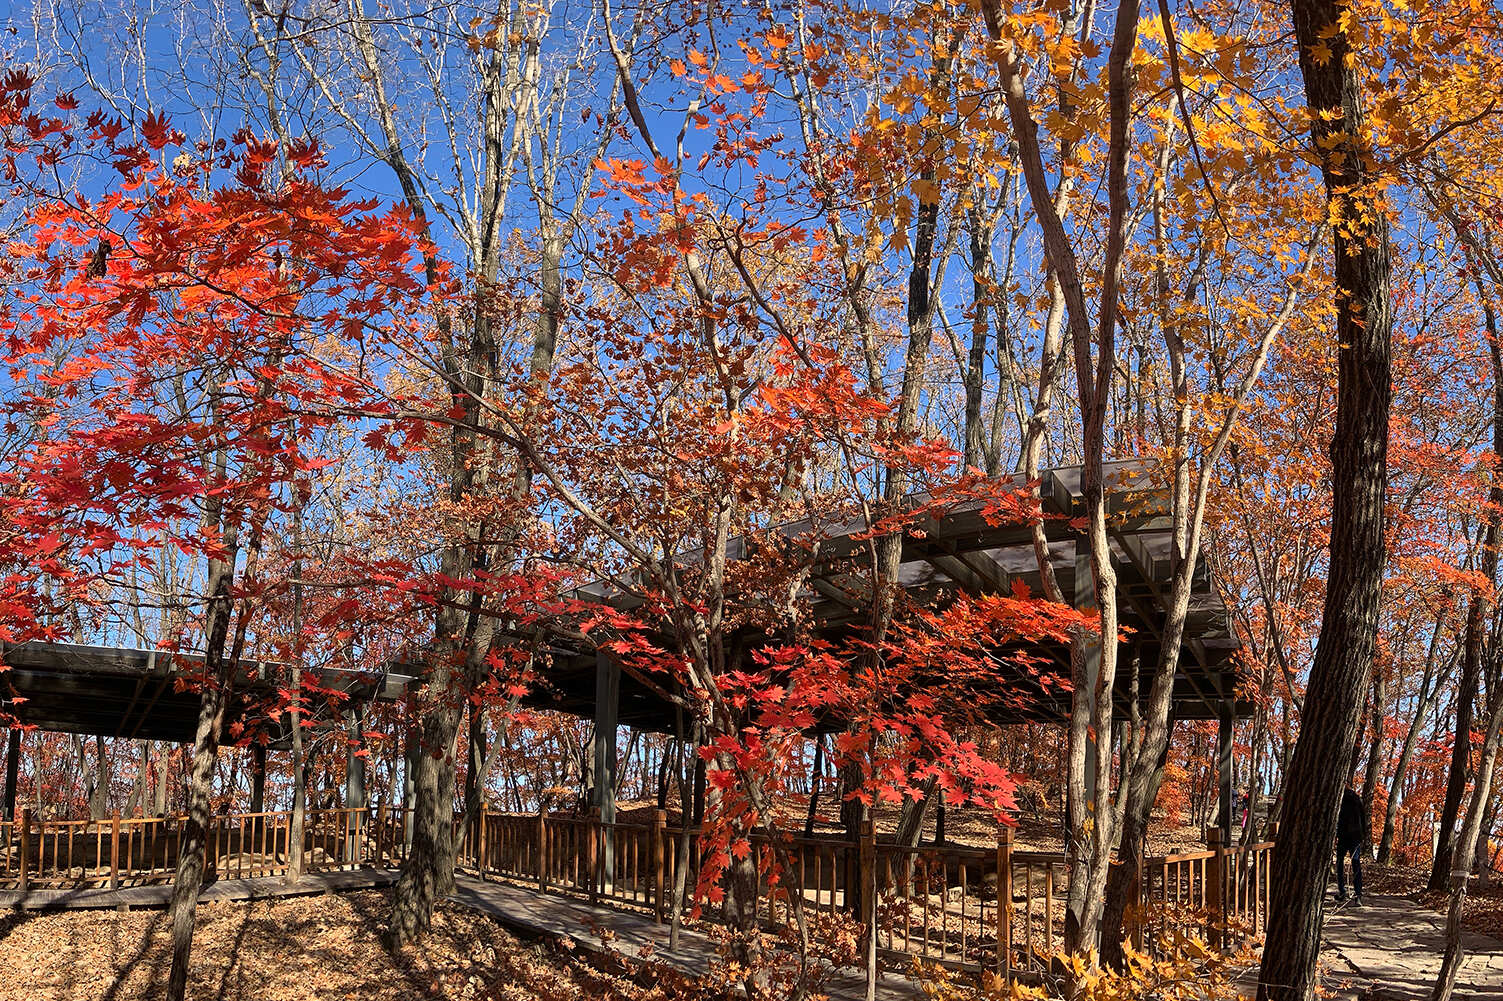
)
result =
(994, 907)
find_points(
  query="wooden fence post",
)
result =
(592, 829)
(482, 853)
(659, 834)
(1004, 903)
(115, 851)
(542, 853)
(1266, 876)
(211, 848)
(25, 848)
(1215, 890)
(866, 872)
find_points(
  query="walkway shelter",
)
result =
(152, 695)
(959, 551)
(976, 906)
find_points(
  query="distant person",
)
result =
(1352, 837)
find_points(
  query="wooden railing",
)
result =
(1219, 891)
(994, 907)
(129, 851)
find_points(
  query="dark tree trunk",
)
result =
(911, 818)
(979, 228)
(663, 762)
(99, 790)
(1377, 751)
(12, 774)
(474, 776)
(1461, 746)
(1429, 692)
(1359, 455)
(1478, 615)
(428, 872)
(698, 804)
(1124, 879)
(816, 784)
(212, 702)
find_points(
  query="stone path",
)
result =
(1390, 950)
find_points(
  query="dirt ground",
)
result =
(323, 948)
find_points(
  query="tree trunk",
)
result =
(663, 762)
(1451, 962)
(911, 817)
(1124, 881)
(1429, 691)
(297, 822)
(12, 773)
(1377, 749)
(1478, 614)
(816, 783)
(428, 872)
(474, 776)
(1461, 743)
(190, 867)
(686, 823)
(1473, 837)
(1093, 821)
(1359, 455)
(468, 358)
(979, 229)
(99, 792)
(159, 802)
(1482, 856)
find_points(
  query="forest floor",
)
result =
(322, 947)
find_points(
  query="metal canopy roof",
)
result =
(148, 694)
(959, 551)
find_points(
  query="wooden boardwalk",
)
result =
(532, 914)
(637, 936)
(259, 888)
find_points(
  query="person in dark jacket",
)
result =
(1352, 837)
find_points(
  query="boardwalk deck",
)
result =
(1389, 949)
(631, 935)
(597, 929)
(259, 888)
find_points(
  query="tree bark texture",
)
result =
(1478, 616)
(1429, 691)
(190, 867)
(1445, 979)
(1359, 454)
